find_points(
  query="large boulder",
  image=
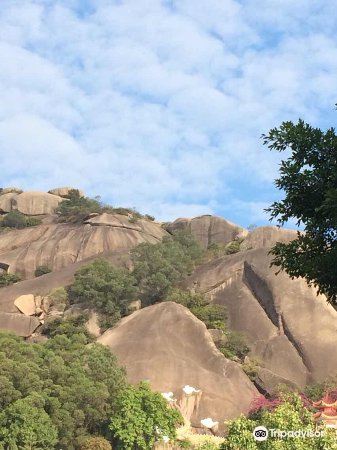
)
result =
(36, 203)
(19, 324)
(6, 202)
(208, 229)
(64, 191)
(57, 245)
(291, 330)
(26, 304)
(268, 236)
(168, 346)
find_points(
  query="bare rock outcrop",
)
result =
(29, 203)
(167, 345)
(209, 229)
(19, 323)
(6, 201)
(26, 304)
(36, 203)
(65, 191)
(58, 245)
(290, 329)
(268, 236)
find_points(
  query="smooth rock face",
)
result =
(268, 236)
(23, 325)
(36, 203)
(59, 245)
(167, 345)
(26, 304)
(6, 201)
(64, 191)
(291, 330)
(209, 229)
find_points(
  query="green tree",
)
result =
(142, 417)
(75, 208)
(308, 179)
(105, 288)
(26, 425)
(78, 384)
(158, 267)
(213, 315)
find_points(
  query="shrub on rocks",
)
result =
(16, 219)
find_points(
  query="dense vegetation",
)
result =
(17, 220)
(104, 288)
(57, 394)
(75, 208)
(159, 267)
(143, 418)
(308, 179)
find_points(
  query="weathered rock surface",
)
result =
(291, 330)
(170, 347)
(268, 236)
(64, 191)
(36, 203)
(19, 323)
(6, 201)
(57, 245)
(26, 304)
(30, 203)
(209, 229)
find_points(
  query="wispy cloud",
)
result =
(160, 104)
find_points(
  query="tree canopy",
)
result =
(158, 267)
(308, 179)
(105, 288)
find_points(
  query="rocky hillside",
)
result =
(289, 330)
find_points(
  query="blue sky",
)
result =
(161, 104)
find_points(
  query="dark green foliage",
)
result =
(76, 385)
(105, 288)
(76, 208)
(68, 327)
(158, 267)
(7, 279)
(213, 315)
(42, 270)
(236, 346)
(308, 178)
(16, 219)
(141, 417)
(25, 424)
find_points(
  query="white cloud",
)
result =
(160, 104)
